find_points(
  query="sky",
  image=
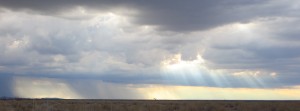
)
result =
(145, 49)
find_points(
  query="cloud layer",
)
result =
(225, 44)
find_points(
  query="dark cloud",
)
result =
(195, 15)
(55, 6)
(175, 15)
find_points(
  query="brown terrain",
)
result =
(145, 105)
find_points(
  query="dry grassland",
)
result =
(146, 105)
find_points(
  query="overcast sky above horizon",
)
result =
(143, 49)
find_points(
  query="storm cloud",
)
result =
(176, 15)
(211, 43)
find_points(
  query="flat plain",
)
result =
(145, 105)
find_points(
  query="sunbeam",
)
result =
(196, 72)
